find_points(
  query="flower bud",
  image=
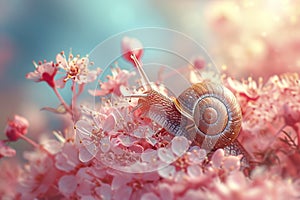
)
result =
(16, 127)
(131, 46)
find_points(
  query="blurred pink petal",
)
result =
(131, 46)
(231, 163)
(150, 196)
(6, 151)
(67, 185)
(104, 191)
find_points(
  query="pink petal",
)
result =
(67, 185)
(98, 92)
(150, 196)
(62, 164)
(104, 191)
(166, 155)
(131, 46)
(197, 155)
(199, 63)
(6, 151)
(83, 132)
(92, 76)
(87, 153)
(194, 171)
(123, 193)
(105, 144)
(136, 148)
(149, 155)
(119, 181)
(109, 123)
(60, 83)
(167, 172)
(217, 158)
(179, 145)
(35, 76)
(126, 140)
(61, 60)
(231, 163)
(166, 191)
(236, 181)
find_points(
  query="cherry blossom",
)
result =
(40, 177)
(9, 173)
(92, 135)
(116, 81)
(44, 72)
(254, 48)
(76, 69)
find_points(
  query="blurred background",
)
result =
(258, 38)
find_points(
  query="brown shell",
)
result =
(216, 113)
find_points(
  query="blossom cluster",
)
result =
(247, 39)
(114, 151)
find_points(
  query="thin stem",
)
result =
(62, 100)
(74, 95)
(74, 98)
(30, 141)
(33, 143)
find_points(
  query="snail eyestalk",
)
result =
(145, 80)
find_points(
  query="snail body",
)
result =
(206, 113)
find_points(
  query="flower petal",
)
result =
(179, 145)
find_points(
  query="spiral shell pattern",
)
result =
(216, 114)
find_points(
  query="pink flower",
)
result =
(199, 63)
(16, 127)
(114, 83)
(183, 164)
(131, 46)
(44, 72)
(92, 135)
(76, 69)
(6, 151)
(228, 163)
(67, 159)
(39, 177)
(9, 178)
(248, 88)
(255, 48)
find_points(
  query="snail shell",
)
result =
(216, 114)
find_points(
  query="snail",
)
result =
(206, 113)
